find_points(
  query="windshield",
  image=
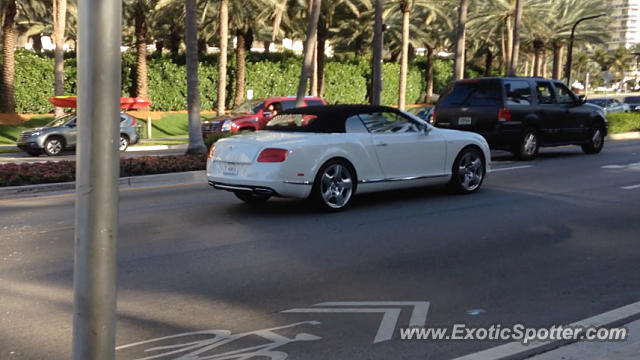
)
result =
(248, 107)
(632, 99)
(59, 121)
(473, 93)
(599, 102)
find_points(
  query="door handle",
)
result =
(382, 144)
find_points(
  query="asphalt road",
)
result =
(545, 242)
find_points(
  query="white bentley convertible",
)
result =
(330, 153)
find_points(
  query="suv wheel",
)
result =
(595, 142)
(468, 171)
(124, 142)
(53, 146)
(528, 146)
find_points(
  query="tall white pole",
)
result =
(97, 171)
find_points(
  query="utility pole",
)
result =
(376, 69)
(97, 171)
(567, 71)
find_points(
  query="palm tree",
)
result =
(7, 98)
(405, 8)
(59, 22)
(308, 50)
(196, 145)
(458, 67)
(515, 48)
(222, 59)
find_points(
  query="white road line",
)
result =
(512, 168)
(631, 187)
(516, 350)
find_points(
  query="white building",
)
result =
(625, 26)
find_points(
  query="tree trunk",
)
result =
(429, 71)
(196, 145)
(174, 41)
(508, 44)
(222, 59)
(307, 63)
(404, 59)
(537, 53)
(515, 51)
(277, 20)
(314, 72)
(37, 43)
(322, 38)
(557, 60)
(458, 66)
(267, 46)
(543, 64)
(244, 41)
(141, 51)
(7, 99)
(59, 22)
(159, 48)
(488, 62)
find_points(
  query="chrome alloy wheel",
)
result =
(54, 146)
(336, 186)
(530, 144)
(124, 143)
(596, 139)
(470, 171)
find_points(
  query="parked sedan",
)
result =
(633, 102)
(61, 134)
(330, 153)
(610, 105)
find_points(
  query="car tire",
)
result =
(54, 146)
(124, 142)
(468, 171)
(249, 197)
(529, 144)
(596, 140)
(334, 185)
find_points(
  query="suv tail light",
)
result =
(133, 122)
(211, 151)
(504, 114)
(434, 117)
(273, 155)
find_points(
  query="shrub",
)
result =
(63, 171)
(623, 122)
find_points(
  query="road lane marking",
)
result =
(516, 350)
(626, 166)
(631, 187)
(391, 313)
(511, 168)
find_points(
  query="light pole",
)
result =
(567, 71)
(376, 71)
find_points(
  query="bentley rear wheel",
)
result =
(334, 185)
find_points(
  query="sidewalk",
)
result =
(600, 350)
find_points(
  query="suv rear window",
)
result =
(518, 92)
(473, 93)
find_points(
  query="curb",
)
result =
(624, 136)
(518, 351)
(188, 177)
(157, 147)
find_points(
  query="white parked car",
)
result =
(330, 153)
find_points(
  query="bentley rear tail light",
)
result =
(504, 114)
(211, 151)
(273, 155)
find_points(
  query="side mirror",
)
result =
(266, 114)
(426, 130)
(71, 125)
(582, 99)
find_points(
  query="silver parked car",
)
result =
(60, 134)
(610, 105)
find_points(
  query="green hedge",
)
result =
(345, 82)
(623, 122)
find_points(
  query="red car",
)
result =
(254, 114)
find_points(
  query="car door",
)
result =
(573, 120)
(403, 149)
(71, 132)
(549, 111)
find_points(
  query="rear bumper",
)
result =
(260, 190)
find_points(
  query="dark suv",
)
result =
(522, 114)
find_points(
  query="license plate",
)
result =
(464, 120)
(231, 170)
